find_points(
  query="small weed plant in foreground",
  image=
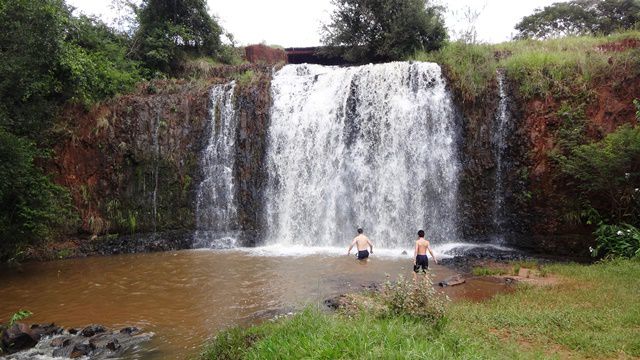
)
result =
(419, 299)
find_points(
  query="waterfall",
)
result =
(156, 161)
(373, 146)
(500, 143)
(216, 206)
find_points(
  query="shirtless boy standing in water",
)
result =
(361, 242)
(421, 261)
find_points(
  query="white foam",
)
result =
(442, 251)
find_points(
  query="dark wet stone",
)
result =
(452, 281)
(91, 330)
(94, 341)
(60, 342)
(104, 341)
(63, 352)
(80, 350)
(18, 337)
(130, 330)
(41, 330)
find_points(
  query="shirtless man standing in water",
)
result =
(421, 261)
(361, 241)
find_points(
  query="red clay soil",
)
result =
(611, 107)
(619, 46)
(264, 54)
(90, 157)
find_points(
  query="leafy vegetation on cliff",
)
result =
(52, 59)
(606, 174)
(31, 205)
(592, 313)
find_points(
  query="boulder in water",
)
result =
(93, 341)
(452, 281)
(91, 330)
(18, 337)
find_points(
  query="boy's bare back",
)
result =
(422, 245)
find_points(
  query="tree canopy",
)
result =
(580, 17)
(379, 30)
(170, 30)
(49, 58)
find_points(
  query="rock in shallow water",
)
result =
(93, 341)
(452, 281)
(18, 337)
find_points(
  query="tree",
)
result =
(50, 57)
(31, 45)
(170, 30)
(30, 204)
(580, 17)
(382, 30)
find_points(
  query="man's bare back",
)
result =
(421, 261)
(361, 242)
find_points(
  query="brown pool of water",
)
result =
(186, 297)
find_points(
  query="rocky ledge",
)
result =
(22, 341)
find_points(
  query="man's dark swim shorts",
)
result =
(422, 263)
(363, 254)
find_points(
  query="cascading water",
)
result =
(156, 161)
(216, 206)
(371, 146)
(500, 143)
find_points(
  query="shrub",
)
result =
(31, 205)
(606, 174)
(420, 300)
(617, 241)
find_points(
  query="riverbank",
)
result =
(592, 312)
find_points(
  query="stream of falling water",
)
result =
(216, 205)
(371, 146)
(500, 146)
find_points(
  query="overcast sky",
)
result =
(297, 22)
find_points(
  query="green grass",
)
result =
(485, 271)
(594, 313)
(565, 67)
(471, 67)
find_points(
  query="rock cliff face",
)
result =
(253, 101)
(534, 196)
(609, 106)
(131, 164)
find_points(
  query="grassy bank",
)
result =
(593, 313)
(564, 67)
